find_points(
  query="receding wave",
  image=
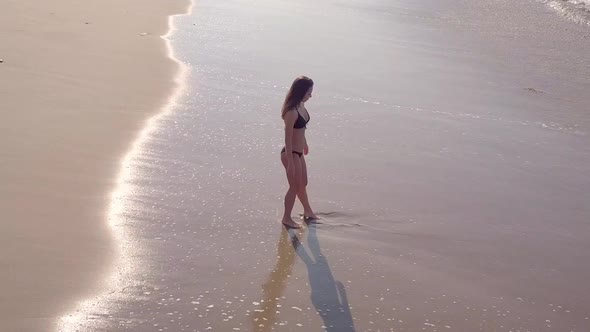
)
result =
(97, 312)
(575, 10)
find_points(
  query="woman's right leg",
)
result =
(294, 181)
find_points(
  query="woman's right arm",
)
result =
(289, 118)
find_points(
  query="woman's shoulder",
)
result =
(290, 114)
(291, 110)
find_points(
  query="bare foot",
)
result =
(289, 223)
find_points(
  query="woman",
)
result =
(296, 117)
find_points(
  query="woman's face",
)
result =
(308, 94)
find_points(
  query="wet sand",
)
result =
(77, 82)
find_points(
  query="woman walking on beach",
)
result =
(296, 117)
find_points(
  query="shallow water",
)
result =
(453, 182)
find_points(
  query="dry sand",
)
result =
(77, 82)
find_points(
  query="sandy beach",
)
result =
(449, 151)
(448, 159)
(77, 82)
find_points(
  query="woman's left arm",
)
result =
(305, 147)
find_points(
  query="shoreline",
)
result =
(117, 278)
(79, 82)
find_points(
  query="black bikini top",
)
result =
(301, 122)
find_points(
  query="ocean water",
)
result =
(575, 10)
(449, 157)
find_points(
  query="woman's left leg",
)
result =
(302, 193)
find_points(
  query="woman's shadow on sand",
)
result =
(327, 294)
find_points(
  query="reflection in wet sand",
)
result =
(265, 316)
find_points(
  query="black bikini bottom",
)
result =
(300, 154)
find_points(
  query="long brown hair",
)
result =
(299, 88)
